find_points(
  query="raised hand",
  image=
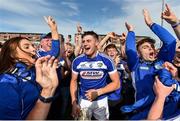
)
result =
(79, 28)
(51, 22)
(169, 16)
(147, 17)
(171, 68)
(129, 27)
(123, 38)
(111, 35)
(46, 74)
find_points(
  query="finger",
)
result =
(51, 60)
(127, 25)
(55, 63)
(45, 63)
(168, 8)
(39, 61)
(145, 12)
(46, 19)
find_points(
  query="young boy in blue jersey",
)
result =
(114, 98)
(92, 69)
(144, 65)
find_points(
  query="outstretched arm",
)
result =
(167, 51)
(172, 19)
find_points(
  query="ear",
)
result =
(97, 43)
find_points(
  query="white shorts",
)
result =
(99, 109)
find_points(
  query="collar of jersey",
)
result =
(94, 58)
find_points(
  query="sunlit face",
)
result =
(89, 44)
(147, 52)
(46, 44)
(112, 52)
(26, 52)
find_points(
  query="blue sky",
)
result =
(102, 16)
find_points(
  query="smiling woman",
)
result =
(27, 82)
(21, 96)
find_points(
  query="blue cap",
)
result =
(43, 36)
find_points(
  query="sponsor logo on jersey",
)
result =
(91, 74)
(92, 65)
(144, 67)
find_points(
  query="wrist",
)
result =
(46, 99)
(150, 24)
(99, 92)
(74, 102)
(48, 92)
(175, 24)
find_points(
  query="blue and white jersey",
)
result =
(93, 72)
(143, 72)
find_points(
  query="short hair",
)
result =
(92, 33)
(110, 46)
(148, 39)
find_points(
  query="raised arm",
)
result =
(78, 40)
(167, 51)
(172, 19)
(105, 39)
(131, 52)
(123, 44)
(55, 45)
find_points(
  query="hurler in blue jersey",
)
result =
(92, 69)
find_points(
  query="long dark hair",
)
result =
(8, 54)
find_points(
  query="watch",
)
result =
(46, 100)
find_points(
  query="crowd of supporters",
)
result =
(89, 78)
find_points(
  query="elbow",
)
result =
(117, 85)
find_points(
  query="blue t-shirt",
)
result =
(19, 93)
(92, 72)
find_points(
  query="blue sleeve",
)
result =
(167, 51)
(166, 77)
(55, 47)
(75, 66)
(132, 56)
(10, 102)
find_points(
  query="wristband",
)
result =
(175, 25)
(46, 100)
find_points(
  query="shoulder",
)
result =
(79, 58)
(8, 78)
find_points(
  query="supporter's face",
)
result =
(26, 52)
(112, 52)
(89, 44)
(46, 44)
(147, 52)
(69, 50)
